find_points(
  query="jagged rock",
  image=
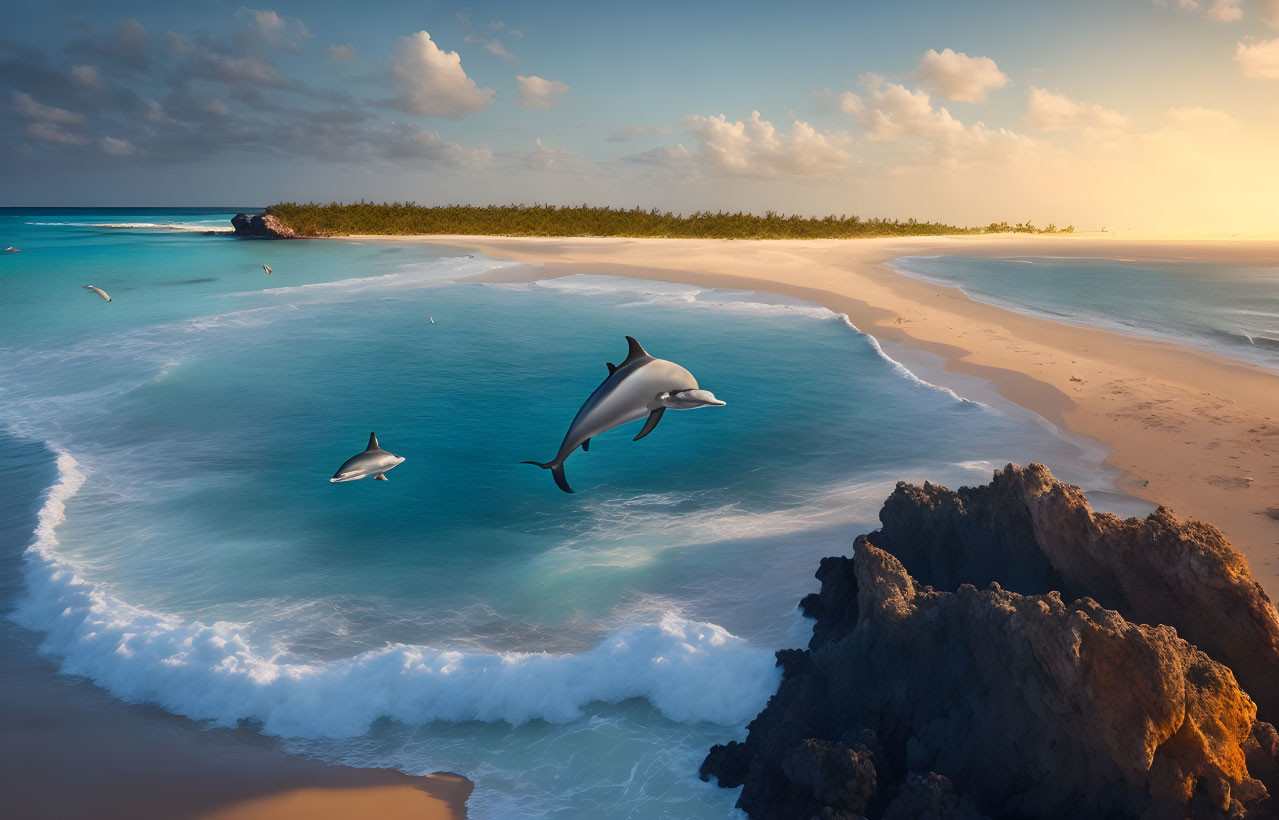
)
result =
(1032, 534)
(931, 797)
(1015, 705)
(261, 226)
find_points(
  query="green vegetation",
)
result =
(335, 219)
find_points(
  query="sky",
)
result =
(1155, 116)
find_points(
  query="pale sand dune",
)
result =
(1188, 429)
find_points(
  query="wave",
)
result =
(218, 227)
(658, 292)
(690, 671)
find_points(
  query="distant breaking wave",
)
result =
(690, 671)
(220, 227)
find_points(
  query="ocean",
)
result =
(574, 655)
(1227, 307)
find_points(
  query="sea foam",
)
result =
(690, 671)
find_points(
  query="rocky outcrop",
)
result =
(944, 700)
(261, 226)
(1033, 534)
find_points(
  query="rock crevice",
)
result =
(1003, 651)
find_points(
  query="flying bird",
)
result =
(374, 461)
(640, 386)
(98, 291)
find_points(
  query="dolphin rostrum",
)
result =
(374, 461)
(640, 386)
(98, 291)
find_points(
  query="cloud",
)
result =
(1198, 118)
(1259, 60)
(754, 149)
(1224, 11)
(116, 147)
(911, 130)
(32, 110)
(539, 94)
(263, 28)
(432, 83)
(957, 76)
(545, 158)
(127, 47)
(52, 132)
(85, 75)
(623, 133)
(342, 54)
(407, 141)
(1270, 13)
(492, 45)
(1055, 112)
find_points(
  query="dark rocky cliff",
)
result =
(1003, 651)
(261, 226)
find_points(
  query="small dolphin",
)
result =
(12, 249)
(641, 386)
(267, 268)
(98, 291)
(374, 461)
(432, 318)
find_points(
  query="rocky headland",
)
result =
(261, 226)
(1005, 652)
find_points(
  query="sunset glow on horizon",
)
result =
(1146, 118)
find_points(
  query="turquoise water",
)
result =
(574, 655)
(1227, 306)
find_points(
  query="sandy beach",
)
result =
(1184, 427)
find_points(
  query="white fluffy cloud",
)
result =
(957, 76)
(539, 94)
(263, 27)
(1055, 112)
(892, 113)
(754, 148)
(1259, 60)
(431, 82)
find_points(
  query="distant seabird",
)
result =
(99, 291)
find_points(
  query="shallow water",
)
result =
(1226, 306)
(571, 654)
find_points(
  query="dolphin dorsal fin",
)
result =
(611, 367)
(636, 352)
(373, 445)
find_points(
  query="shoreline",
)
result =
(72, 749)
(1186, 428)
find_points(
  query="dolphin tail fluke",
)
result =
(557, 472)
(381, 477)
(373, 445)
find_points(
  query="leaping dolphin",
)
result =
(640, 386)
(374, 461)
(98, 291)
(267, 268)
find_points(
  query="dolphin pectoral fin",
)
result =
(612, 368)
(586, 446)
(381, 477)
(557, 472)
(651, 424)
(373, 445)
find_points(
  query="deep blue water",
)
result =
(574, 655)
(1227, 306)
